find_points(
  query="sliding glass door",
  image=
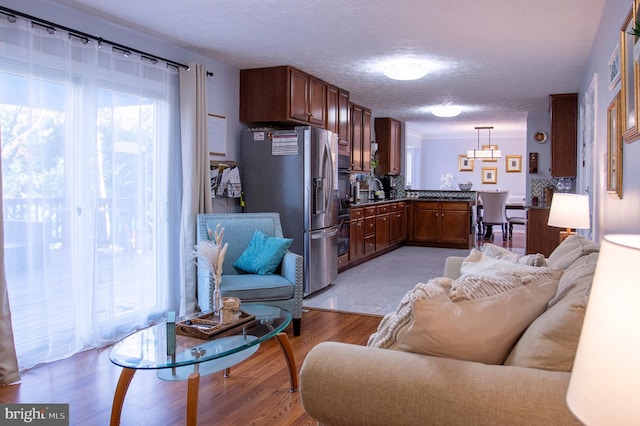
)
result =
(86, 161)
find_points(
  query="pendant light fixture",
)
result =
(491, 154)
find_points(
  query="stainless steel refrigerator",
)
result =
(294, 173)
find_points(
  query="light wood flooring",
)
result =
(256, 393)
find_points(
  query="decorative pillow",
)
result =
(498, 252)
(263, 254)
(572, 248)
(474, 318)
(551, 341)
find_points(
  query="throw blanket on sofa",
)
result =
(492, 303)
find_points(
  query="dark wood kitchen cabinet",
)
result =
(440, 224)
(397, 223)
(282, 95)
(369, 230)
(383, 226)
(338, 117)
(389, 139)
(356, 234)
(360, 138)
(564, 134)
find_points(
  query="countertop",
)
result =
(394, 200)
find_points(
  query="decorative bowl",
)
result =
(465, 186)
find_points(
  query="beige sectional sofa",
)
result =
(345, 384)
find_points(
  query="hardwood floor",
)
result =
(256, 393)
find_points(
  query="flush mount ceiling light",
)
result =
(405, 69)
(490, 153)
(446, 110)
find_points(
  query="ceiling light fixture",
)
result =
(446, 110)
(490, 153)
(405, 69)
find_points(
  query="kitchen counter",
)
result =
(375, 202)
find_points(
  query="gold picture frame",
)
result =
(490, 160)
(513, 163)
(490, 175)
(614, 149)
(629, 76)
(465, 164)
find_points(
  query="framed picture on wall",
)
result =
(614, 149)
(628, 77)
(614, 68)
(489, 175)
(513, 163)
(465, 164)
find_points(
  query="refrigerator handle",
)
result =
(330, 232)
(328, 172)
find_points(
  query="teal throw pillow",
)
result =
(263, 255)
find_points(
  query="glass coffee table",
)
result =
(147, 350)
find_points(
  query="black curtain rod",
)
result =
(11, 16)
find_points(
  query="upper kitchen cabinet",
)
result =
(282, 96)
(338, 117)
(389, 139)
(360, 138)
(564, 134)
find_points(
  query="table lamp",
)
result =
(569, 211)
(605, 382)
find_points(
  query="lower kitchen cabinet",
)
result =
(356, 234)
(382, 226)
(440, 223)
(398, 223)
(375, 229)
(369, 230)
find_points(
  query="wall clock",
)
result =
(540, 137)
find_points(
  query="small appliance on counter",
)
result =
(389, 186)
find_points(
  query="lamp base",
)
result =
(565, 234)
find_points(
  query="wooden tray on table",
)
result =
(208, 326)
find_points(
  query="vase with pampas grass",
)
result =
(212, 252)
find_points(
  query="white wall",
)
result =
(440, 156)
(611, 215)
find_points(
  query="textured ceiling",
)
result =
(496, 58)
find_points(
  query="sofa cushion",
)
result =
(474, 318)
(571, 249)
(263, 254)
(498, 252)
(550, 342)
(254, 288)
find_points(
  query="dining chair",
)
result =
(515, 221)
(494, 212)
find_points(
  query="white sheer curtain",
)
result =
(91, 190)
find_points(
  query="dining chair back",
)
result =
(494, 205)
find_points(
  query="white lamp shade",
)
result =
(484, 153)
(605, 383)
(569, 211)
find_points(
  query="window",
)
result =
(413, 170)
(86, 134)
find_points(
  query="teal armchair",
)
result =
(284, 288)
